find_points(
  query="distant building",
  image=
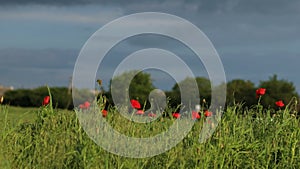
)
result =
(3, 89)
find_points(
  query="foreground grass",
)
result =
(46, 138)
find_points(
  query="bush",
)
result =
(277, 90)
(34, 97)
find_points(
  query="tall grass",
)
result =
(245, 138)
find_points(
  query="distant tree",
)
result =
(173, 98)
(219, 98)
(277, 90)
(61, 97)
(204, 87)
(204, 91)
(240, 91)
(34, 97)
(131, 85)
(18, 97)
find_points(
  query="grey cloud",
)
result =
(67, 2)
(38, 58)
(211, 6)
(255, 39)
(46, 2)
(277, 7)
(33, 68)
(190, 7)
(245, 6)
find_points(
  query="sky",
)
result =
(40, 40)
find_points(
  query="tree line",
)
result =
(62, 98)
(239, 91)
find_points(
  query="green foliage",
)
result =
(204, 90)
(19, 97)
(140, 87)
(277, 90)
(137, 84)
(241, 91)
(34, 97)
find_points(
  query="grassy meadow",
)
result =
(245, 138)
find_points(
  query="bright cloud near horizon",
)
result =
(40, 40)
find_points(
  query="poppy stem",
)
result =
(50, 104)
(259, 98)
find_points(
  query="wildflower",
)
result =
(85, 105)
(195, 115)
(46, 100)
(140, 112)
(207, 113)
(176, 115)
(279, 103)
(260, 92)
(151, 115)
(135, 104)
(104, 113)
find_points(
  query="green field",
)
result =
(17, 115)
(47, 138)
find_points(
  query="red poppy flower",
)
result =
(104, 113)
(85, 105)
(279, 103)
(176, 115)
(140, 112)
(151, 115)
(207, 113)
(195, 115)
(260, 92)
(46, 100)
(135, 104)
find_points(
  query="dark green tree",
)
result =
(131, 85)
(277, 90)
(19, 97)
(241, 91)
(34, 97)
(204, 87)
(204, 90)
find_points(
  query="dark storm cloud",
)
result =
(239, 6)
(252, 37)
(46, 2)
(245, 6)
(33, 68)
(67, 2)
(38, 59)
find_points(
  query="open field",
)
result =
(15, 116)
(46, 138)
(18, 115)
